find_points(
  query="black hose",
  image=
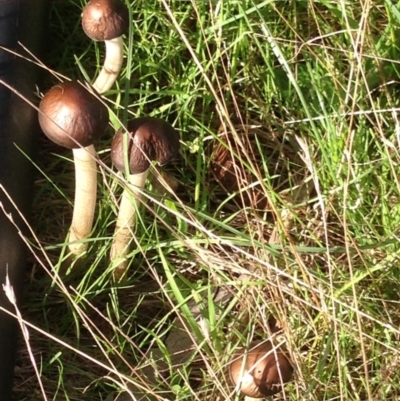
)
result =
(21, 21)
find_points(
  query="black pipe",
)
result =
(21, 21)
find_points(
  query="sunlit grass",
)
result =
(296, 101)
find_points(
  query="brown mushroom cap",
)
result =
(150, 139)
(260, 376)
(71, 116)
(105, 19)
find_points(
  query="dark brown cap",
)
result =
(105, 19)
(261, 371)
(71, 116)
(150, 139)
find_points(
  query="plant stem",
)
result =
(126, 219)
(112, 65)
(85, 198)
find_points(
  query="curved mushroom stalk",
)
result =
(126, 219)
(85, 198)
(112, 65)
(107, 20)
(149, 139)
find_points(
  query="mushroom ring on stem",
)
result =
(261, 371)
(147, 139)
(73, 117)
(107, 20)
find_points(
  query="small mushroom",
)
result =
(107, 20)
(148, 139)
(73, 117)
(261, 371)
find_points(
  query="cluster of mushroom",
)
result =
(72, 115)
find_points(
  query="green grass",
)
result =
(298, 99)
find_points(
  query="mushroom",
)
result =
(261, 371)
(107, 20)
(147, 139)
(73, 117)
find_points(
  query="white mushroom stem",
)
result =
(126, 219)
(84, 158)
(85, 198)
(112, 65)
